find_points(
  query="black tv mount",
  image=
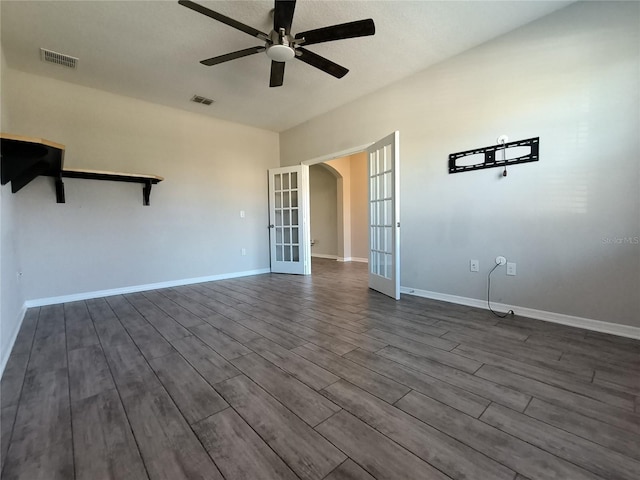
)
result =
(490, 159)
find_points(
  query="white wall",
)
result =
(323, 197)
(570, 78)
(103, 237)
(11, 292)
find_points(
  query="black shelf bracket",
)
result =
(490, 154)
(59, 189)
(146, 193)
(24, 159)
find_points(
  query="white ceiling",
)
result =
(151, 49)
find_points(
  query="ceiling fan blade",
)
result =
(283, 15)
(321, 63)
(224, 19)
(232, 56)
(359, 28)
(277, 74)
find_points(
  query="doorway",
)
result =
(383, 209)
(338, 207)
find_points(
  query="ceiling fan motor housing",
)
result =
(279, 47)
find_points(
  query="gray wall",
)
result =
(570, 78)
(103, 237)
(323, 204)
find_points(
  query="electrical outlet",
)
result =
(511, 268)
(474, 265)
(500, 260)
(241, 213)
(243, 252)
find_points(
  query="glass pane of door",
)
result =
(381, 214)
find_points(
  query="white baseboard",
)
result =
(353, 259)
(572, 321)
(40, 302)
(13, 336)
(359, 259)
(340, 259)
(324, 255)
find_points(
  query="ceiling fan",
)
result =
(280, 45)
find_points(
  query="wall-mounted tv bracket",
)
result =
(490, 159)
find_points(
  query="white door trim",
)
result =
(322, 159)
(333, 156)
(328, 157)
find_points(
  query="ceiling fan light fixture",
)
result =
(280, 53)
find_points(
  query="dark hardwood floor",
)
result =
(286, 377)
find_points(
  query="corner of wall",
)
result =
(12, 306)
(9, 340)
(4, 116)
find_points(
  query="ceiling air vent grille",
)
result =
(58, 58)
(201, 99)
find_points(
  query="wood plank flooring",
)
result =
(287, 377)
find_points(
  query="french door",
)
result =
(384, 216)
(289, 228)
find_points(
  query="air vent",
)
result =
(202, 100)
(58, 58)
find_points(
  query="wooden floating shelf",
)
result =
(145, 180)
(25, 158)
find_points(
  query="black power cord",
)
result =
(510, 312)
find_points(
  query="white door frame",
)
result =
(362, 149)
(332, 156)
(340, 154)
